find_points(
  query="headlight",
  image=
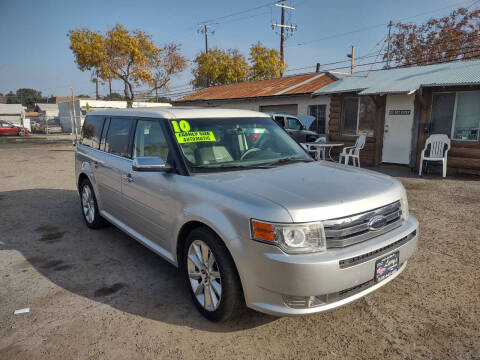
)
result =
(404, 204)
(291, 238)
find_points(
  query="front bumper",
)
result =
(273, 276)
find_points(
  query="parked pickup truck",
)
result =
(245, 213)
(294, 127)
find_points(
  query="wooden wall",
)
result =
(371, 154)
(464, 156)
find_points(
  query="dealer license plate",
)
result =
(386, 266)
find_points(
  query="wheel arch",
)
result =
(188, 227)
(82, 176)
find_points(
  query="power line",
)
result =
(237, 13)
(379, 25)
(475, 49)
(367, 56)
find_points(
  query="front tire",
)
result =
(211, 276)
(88, 203)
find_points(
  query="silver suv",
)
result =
(234, 202)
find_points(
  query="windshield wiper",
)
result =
(288, 160)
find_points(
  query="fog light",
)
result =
(303, 302)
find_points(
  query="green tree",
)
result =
(130, 56)
(218, 67)
(115, 96)
(265, 63)
(26, 97)
(12, 98)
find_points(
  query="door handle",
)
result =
(128, 177)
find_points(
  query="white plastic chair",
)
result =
(353, 151)
(437, 152)
(319, 153)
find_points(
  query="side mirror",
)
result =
(150, 164)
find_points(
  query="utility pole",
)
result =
(282, 36)
(390, 24)
(204, 30)
(352, 59)
(291, 28)
(74, 126)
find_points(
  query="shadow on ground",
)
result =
(104, 265)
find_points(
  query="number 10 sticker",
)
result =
(182, 126)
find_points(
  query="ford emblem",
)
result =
(377, 222)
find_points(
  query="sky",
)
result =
(35, 49)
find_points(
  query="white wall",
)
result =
(254, 104)
(65, 110)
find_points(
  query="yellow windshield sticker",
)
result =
(194, 136)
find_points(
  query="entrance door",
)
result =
(397, 136)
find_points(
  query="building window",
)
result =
(456, 114)
(358, 116)
(319, 113)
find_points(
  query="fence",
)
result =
(45, 125)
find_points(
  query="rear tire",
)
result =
(211, 276)
(89, 206)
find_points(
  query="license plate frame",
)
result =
(386, 266)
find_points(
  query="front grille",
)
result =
(373, 254)
(353, 229)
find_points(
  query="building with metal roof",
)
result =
(407, 79)
(399, 108)
(290, 95)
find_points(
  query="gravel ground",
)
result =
(101, 295)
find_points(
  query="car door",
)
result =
(150, 196)
(116, 162)
(294, 128)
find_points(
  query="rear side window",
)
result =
(92, 131)
(118, 137)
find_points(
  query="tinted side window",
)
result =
(92, 131)
(118, 137)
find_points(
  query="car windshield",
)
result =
(235, 143)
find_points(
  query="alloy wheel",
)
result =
(88, 204)
(204, 275)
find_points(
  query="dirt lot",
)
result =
(101, 295)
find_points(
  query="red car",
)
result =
(7, 128)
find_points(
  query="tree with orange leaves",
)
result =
(129, 56)
(449, 38)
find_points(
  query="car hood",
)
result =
(315, 190)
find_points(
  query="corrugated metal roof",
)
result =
(291, 85)
(404, 80)
(11, 109)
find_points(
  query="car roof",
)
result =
(186, 112)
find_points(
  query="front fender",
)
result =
(223, 224)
